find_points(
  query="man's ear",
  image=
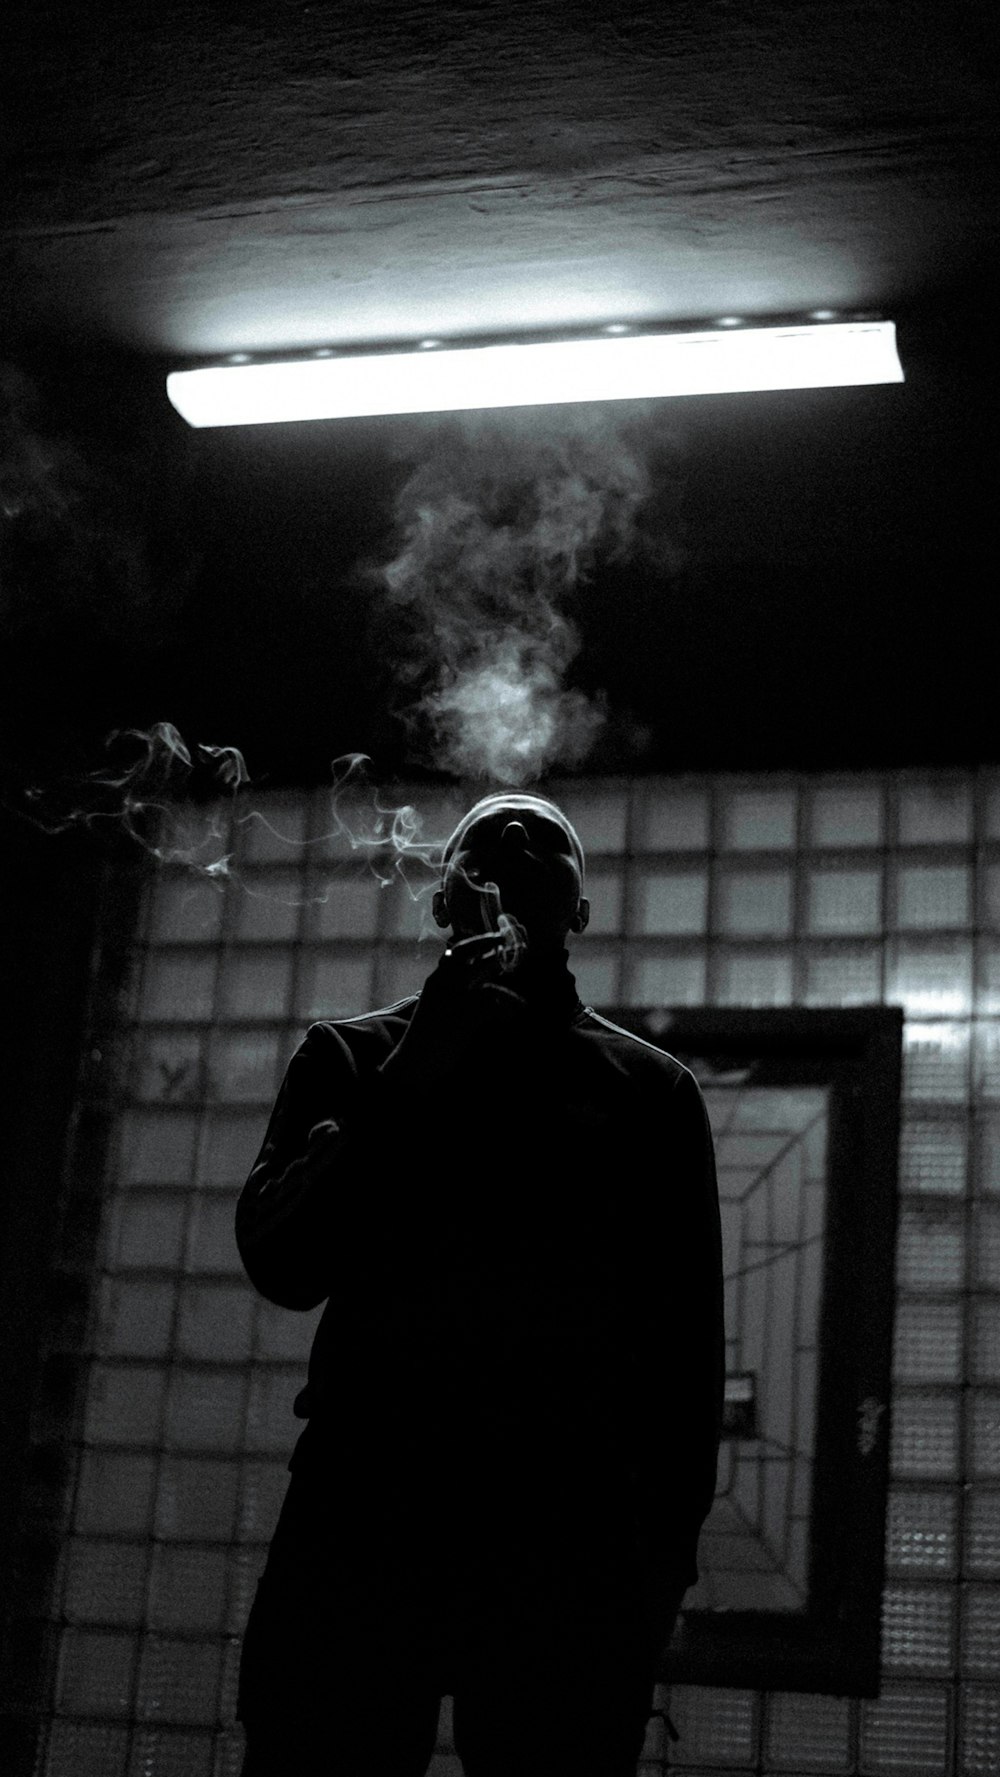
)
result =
(439, 909)
(581, 918)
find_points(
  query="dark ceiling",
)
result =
(233, 177)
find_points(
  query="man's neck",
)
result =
(543, 976)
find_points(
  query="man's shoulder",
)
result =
(399, 1010)
(377, 1029)
(633, 1052)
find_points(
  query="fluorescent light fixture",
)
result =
(538, 373)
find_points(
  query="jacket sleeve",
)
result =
(685, 1346)
(308, 1186)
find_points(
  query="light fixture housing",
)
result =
(529, 372)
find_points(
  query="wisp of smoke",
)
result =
(184, 805)
(388, 837)
(503, 518)
(151, 788)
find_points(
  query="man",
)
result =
(515, 1391)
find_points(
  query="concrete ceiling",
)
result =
(204, 179)
(200, 179)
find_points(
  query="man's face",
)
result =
(531, 858)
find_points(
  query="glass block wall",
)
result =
(736, 891)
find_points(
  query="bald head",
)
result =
(531, 850)
(516, 802)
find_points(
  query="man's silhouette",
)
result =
(514, 1395)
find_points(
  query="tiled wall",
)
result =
(738, 891)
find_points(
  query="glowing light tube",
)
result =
(537, 374)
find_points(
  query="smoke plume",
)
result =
(503, 519)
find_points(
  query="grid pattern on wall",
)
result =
(725, 891)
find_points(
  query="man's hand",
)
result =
(465, 1001)
(502, 942)
(478, 959)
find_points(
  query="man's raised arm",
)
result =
(298, 1197)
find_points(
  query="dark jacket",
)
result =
(523, 1275)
